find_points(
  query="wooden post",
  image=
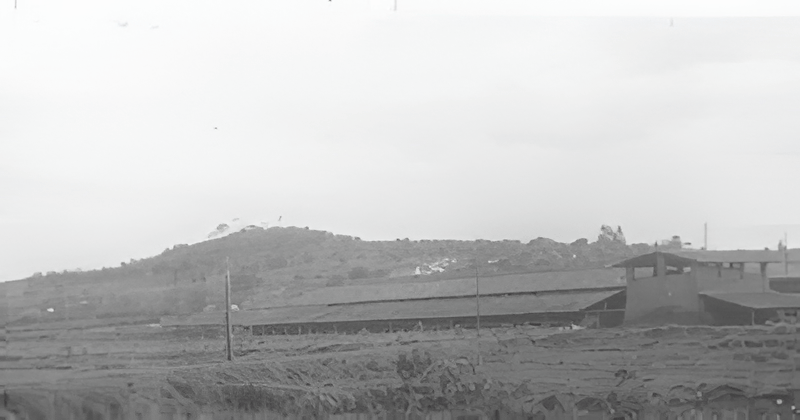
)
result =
(228, 333)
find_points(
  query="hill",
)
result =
(273, 265)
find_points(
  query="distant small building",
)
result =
(704, 287)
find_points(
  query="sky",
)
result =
(129, 126)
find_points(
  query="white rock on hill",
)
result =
(235, 225)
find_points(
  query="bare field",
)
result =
(582, 362)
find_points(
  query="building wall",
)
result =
(381, 326)
(724, 313)
(785, 285)
(674, 296)
(611, 318)
(727, 279)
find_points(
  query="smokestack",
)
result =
(705, 236)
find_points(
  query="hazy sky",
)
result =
(445, 120)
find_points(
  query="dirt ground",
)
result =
(590, 362)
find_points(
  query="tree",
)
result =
(607, 234)
(619, 236)
(335, 280)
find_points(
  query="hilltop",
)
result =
(277, 263)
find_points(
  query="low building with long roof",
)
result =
(594, 297)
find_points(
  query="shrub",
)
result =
(277, 262)
(358, 273)
(335, 280)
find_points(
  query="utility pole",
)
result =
(477, 299)
(228, 340)
(786, 253)
(478, 313)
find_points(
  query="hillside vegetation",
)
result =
(272, 265)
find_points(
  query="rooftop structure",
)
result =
(687, 258)
(704, 287)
